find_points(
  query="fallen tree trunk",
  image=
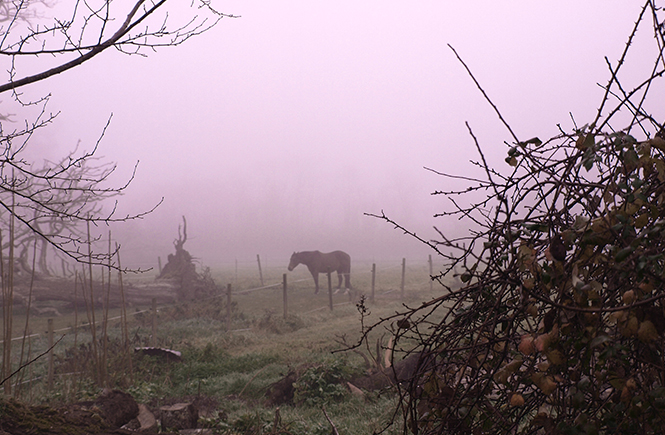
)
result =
(63, 290)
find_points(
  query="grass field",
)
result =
(233, 364)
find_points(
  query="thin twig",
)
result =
(496, 109)
(334, 429)
(32, 360)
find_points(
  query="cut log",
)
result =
(171, 355)
(179, 416)
(147, 420)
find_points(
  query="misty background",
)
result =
(277, 131)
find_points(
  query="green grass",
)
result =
(237, 366)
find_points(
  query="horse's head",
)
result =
(294, 261)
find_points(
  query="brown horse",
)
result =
(318, 262)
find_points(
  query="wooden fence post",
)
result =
(258, 259)
(401, 287)
(286, 305)
(159, 263)
(431, 272)
(50, 355)
(228, 307)
(153, 340)
(373, 281)
(330, 298)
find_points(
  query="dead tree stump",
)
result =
(180, 270)
(179, 416)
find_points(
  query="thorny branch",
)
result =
(26, 364)
(559, 324)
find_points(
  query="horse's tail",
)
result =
(347, 272)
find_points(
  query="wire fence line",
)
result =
(362, 271)
(87, 328)
(84, 324)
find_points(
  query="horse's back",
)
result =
(343, 261)
(343, 256)
(319, 262)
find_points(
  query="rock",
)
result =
(179, 416)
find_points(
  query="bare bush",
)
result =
(559, 326)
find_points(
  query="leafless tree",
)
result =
(51, 202)
(42, 38)
(88, 28)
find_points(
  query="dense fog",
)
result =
(279, 130)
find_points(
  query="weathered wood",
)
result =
(286, 305)
(401, 287)
(258, 260)
(228, 307)
(431, 273)
(49, 381)
(179, 416)
(168, 354)
(153, 338)
(62, 289)
(373, 281)
(146, 419)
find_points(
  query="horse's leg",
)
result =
(316, 282)
(339, 284)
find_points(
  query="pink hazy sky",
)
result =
(277, 131)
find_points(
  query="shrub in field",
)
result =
(80, 360)
(559, 326)
(215, 309)
(250, 424)
(278, 324)
(321, 384)
(258, 423)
